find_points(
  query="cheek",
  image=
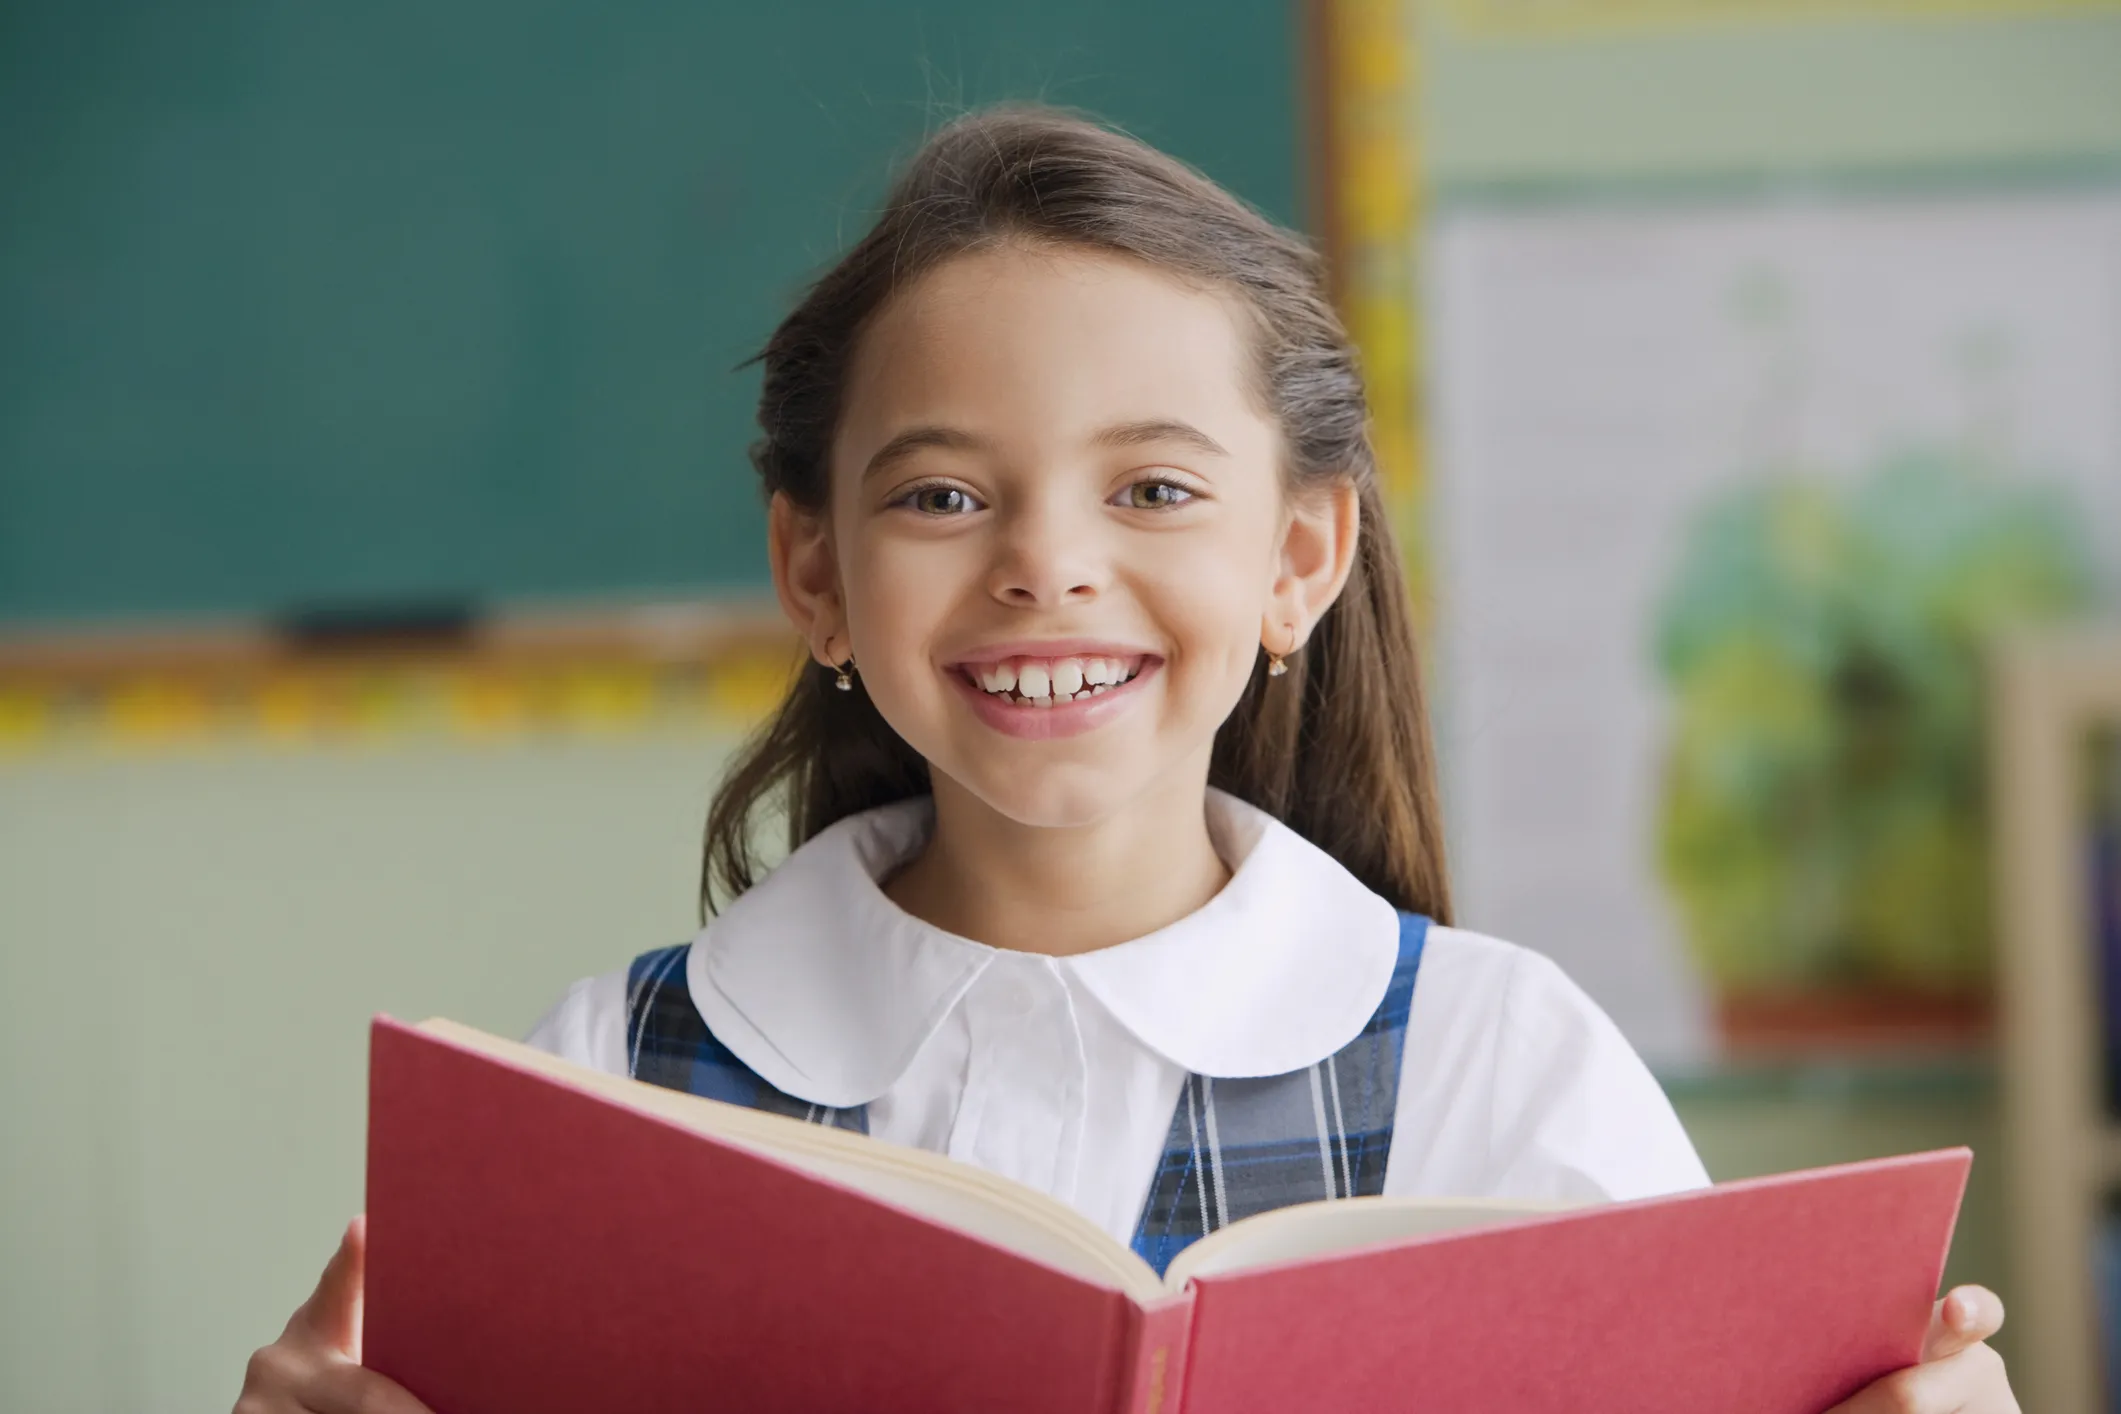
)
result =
(899, 597)
(1215, 595)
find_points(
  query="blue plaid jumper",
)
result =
(1236, 1147)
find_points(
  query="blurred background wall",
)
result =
(380, 574)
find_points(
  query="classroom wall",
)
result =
(191, 944)
(1567, 99)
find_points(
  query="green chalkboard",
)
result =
(333, 305)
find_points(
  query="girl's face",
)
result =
(1057, 535)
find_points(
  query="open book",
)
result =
(547, 1237)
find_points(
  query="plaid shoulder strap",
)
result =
(668, 1044)
(1240, 1147)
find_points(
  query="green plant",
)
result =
(1822, 821)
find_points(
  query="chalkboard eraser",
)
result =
(420, 625)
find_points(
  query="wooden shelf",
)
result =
(2051, 692)
(2105, 1166)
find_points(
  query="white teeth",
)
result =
(1048, 684)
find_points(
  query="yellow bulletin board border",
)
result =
(1556, 19)
(705, 668)
(1364, 76)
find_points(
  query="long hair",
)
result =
(1339, 748)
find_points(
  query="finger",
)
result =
(349, 1389)
(332, 1315)
(1965, 1317)
(1971, 1380)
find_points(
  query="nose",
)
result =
(1045, 558)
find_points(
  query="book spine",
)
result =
(1153, 1368)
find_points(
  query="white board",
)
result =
(1598, 372)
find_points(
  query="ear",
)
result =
(1317, 552)
(806, 576)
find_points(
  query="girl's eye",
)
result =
(1156, 495)
(939, 501)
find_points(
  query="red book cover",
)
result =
(1771, 1296)
(536, 1249)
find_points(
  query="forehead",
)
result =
(1026, 343)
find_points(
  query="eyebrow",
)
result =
(1120, 434)
(917, 439)
(1158, 429)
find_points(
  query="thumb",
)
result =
(1966, 1316)
(332, 1315)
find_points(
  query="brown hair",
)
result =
(1339, 747)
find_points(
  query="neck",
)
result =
(1062, 890)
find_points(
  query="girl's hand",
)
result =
(315, 1365)
(1958, 1374)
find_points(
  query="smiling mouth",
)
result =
(1053, 682)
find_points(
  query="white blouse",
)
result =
(1062, 1072)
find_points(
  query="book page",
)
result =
(1341, 1225)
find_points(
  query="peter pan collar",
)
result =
(826, 988)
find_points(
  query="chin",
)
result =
(1057, 799)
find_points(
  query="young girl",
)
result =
(1112, 793)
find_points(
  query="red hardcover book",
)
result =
(543, 1238)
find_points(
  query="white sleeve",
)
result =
(1516, 1085)
(588, 1024)
(1577, 1115)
